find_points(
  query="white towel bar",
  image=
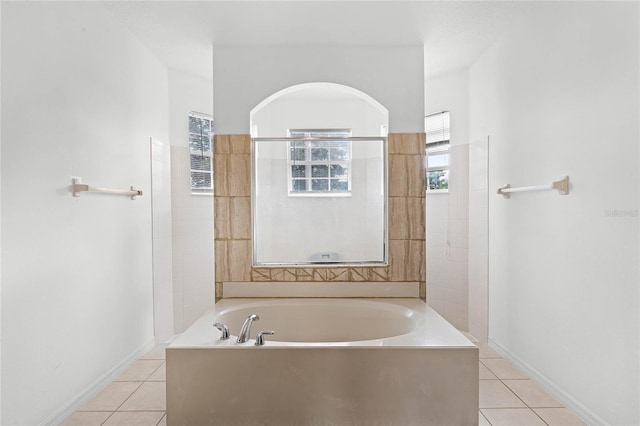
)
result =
(77, 188)
(562, 185)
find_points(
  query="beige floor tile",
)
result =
(485, 374)
(111, 397)
(140, 370)
(513, 417)
(150, 396)
(559, 417)
(134, 418)
(155, 353)
(532, 394)
(503, 369)
(482, 420)
(163, 422)
(494, 394)
(86, 418)
(160, 375)
(484, 351)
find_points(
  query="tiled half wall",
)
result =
(406, 210)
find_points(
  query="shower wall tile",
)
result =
(232, 219)
(222, 217)
(240, 215)
(239, 175)
(192, 243)
(220, 171)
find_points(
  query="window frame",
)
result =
(309, 137)
(439, 145)
(200, 153)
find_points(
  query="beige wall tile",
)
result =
(240, 144)
(338, 274)
(415, 264)
(378, 274)
(221, 144)
(406, 218)
(415, 175)
(304, 274)
(221, 173)
(397, 176)
(221, 217)
(219, 290)
(399, 220)
(240, 218)
(407, 143)
(239, 175)
(239, 260)
(222, 261)
(260, 274)
(416, 218)
(398, 257)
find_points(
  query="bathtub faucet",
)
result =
(245, 332)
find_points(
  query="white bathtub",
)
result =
(331, 362)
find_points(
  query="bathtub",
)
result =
(331, 362)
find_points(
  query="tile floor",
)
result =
(507, 397)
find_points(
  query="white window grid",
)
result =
(201, 153)
(324, 184)
(437, 128)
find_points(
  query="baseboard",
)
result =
(550, 387)
(92, 390)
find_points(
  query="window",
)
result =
(320, 167)
(436, 126)
(201, 152)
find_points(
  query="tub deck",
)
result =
(428, 376)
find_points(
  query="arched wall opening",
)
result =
(319, 105)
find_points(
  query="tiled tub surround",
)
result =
(418, 370)
(406, 219)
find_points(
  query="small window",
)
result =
(437, 129)
(201, 152)
(319, 167)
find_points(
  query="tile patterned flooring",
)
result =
(507, 397)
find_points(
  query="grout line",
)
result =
(161, 418)
(108, 417)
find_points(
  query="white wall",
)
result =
(448, 213)
(450, 92)
(283, 114)
(192, 215)
(559, 95)
(244, 76)
(163, 304)
(80, 97)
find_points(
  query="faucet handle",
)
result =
(223, 329)
(260, 339)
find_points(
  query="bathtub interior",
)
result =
(320, 321)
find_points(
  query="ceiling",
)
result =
(183, 33)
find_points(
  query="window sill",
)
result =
(437, 191)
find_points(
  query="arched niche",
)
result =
(319, 105)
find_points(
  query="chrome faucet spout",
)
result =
(245, 332)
